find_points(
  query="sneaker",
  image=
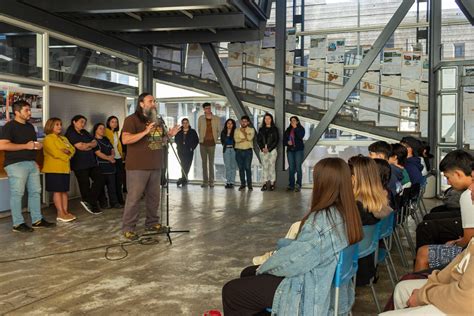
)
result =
(22, 228)
(264, 187)
(65, 219)
(96, 211)
(204, 185)
(242, 187)
(156, 229)
(297, 188)
(250, 188)
(227, 186)
(132, 236)
(117, 205)
(42, 223)
(87, 206)
(290, 189)
(211, 185)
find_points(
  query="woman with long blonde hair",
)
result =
(371, 199)
(368, 189)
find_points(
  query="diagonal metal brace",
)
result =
(227, 87)
(350, 85)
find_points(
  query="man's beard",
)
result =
(151, 114)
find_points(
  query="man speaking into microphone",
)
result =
(143, 133)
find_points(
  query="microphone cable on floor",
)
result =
(145, 241)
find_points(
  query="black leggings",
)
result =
(250, 294)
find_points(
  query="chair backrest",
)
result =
(346, 265)
(370, 243)
(387, 225)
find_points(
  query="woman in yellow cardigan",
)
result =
(57, 153)
(112, 134)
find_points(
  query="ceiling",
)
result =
(152, 22)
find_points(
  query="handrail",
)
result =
(355, 104)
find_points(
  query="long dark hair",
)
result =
(298, 124)
(107, 124)
(75, 118)
(139, 109)
(224, 130)
(332, 187)
(272, 124)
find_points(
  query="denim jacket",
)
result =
(308, 265)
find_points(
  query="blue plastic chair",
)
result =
(346, 269)
(368, 246)
(386, 231)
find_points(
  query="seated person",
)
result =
(449, 291)
(384, 173)
(298, 276)
(398, 159)
(382, 150)
(457, 168)
(413, 164)
(372, 203)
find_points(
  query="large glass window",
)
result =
(448, 118)
(19, 51)
(73, 64)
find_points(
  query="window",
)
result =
(459, 49)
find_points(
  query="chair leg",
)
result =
(399, 245)
(389, 270)
(336, 302)
(409, 240)
(375, 297)
(390, 261)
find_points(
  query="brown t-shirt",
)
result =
(209, 138)
(147, 153)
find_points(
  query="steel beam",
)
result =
(253, 13)
(79, 65)
(117, 6)
(195, 36)
(280, 89)
(228, 87)
(24, 12)
(435, 49)
(350, 85)
(168, 23)
(467, 7)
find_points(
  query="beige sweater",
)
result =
(452, 289)
(241, 142)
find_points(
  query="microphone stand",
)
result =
(168, 144)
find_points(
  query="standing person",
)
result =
(18, 140)
(228, 147)
(143, 135)
(208, 129)
(297, 278)
(243, 151)
(267, 139)
(293, 140)
(186, 142)
(58, 152)
(112, 134)
(84, 164)
(106, 160)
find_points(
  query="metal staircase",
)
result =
(342, 121)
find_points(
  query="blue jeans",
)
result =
(244, 161)
(230, 165)
(21, 174)
(295, 161)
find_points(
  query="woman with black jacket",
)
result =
(267, 140)
(186, 141)
(228, 143)
(293, 140)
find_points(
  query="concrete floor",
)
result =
(227, 228)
